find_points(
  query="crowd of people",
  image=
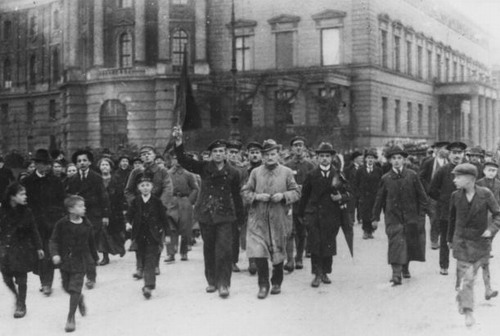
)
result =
(278, 205)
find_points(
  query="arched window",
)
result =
(113, 118)
(56, 19)
(33, 70)
(7, 73)
(125, 57)
(179, 42)
(55, 65)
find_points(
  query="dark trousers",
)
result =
(434, 220)
(263, 273)
(236, 243)
(444, 251)
(46, 269)
(217, 252)
(91, 267)
(21, 279)
(149, 257)
(353, 205)
(367, 226)
(174, 241)
(321, 265)
(299, 235)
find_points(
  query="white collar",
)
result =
(39, 175)
(397, 171)
(325, 168)
(146, 198)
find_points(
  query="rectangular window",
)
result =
(52, 110)
(284, 50)
(397, 53)
(430, 121)
(462, 73)
(384, 114)
(30, 113)
(330, 46)
(419, 61)
(420, 117)
(455, 71)
(447, 69)
(409, 62)
(397, 116)
(429, 64)
(409, 119)
(383, 48)
(438, 67)
(7, 29)
(5, 113)
(244, 58)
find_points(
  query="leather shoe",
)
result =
(443, 271)
(70, 324)
(325, 279)
(289, 266)
(434, 245)
(82, 307)
(316, 282)
(90, 284)
(184, 257)
(138, 275)
(406, 272)
(170, 258)
(276, 289)
(20, 310)
(366, 235)
(236, 269)
(104, 261)
(396, 280)
(263, 291)
(223, 292)
(46, 290)
(490, 294)
(299, 264)
(211, 289)
(146, 291)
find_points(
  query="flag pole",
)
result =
(235, 132)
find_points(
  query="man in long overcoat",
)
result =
(405, 203)
(270, 191)
(323, 205)
(366, 183)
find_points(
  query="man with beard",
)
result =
(300, 166)
(46, 200)
(270, 191)
(441, 188)
(217, 209)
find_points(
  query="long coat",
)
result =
(19, 240)
(185, 193)
(269, 224)
(441, 188)
(405, 206)
(366, 184)
(322, 216)
(469, 221)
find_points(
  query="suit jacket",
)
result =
(367, 185)
(425, 172)
(156, 218)
(93, 191)
(441, 188)
(468, 221)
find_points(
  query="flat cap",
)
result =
(371, 152)
(465, 169)
(491, 163)
(217, 143)
(297, 138)
(146, 148)
(144, 178)
(355, 154)
(440, 144)
(254, 145)
(456, 145)
(395, 151)
(235, 144)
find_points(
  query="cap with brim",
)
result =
(325, 147)
(254, 145)
(440, 144)
(144, 178)
(234, 144)
(76, 154)
(371, 153)
(491, 163)
(395, 151)
(456, 145)
(146, 148)
(297, 138)
(465, 169)
(136, 159)
(217, 144)
(269, 145)
(478, 151)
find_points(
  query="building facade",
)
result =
(104, 73)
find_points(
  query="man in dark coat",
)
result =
(427, 171)
(217, 209)
(366, 182)
(350, 173)
(6, 177)
(46, 199)
(323, 206)
(90, 186)
(404, 201)
(440, 190)
(300, 166)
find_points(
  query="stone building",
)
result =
(104, 73)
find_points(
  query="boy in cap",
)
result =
(470, 232)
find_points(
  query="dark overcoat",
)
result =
(300, 167)
(19, 240)
(367, 185)
(185, 193)
(219, 200)
(441, 188)
(76, 249)
(405, 207)
(468, 221)
(117, 204)
(322, 216)
(155, 218)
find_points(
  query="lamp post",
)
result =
(234, 130)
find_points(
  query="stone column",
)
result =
(98, 33)
(163, 31)
(481, 117)
(201, 31)
(140, 32)
(496, 124)
(70, 33)
(474, 110)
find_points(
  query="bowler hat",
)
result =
(269, 145)
(42, 155)
(297, 138)
(355, 155)
(394, 151)
(254, 145)
(465, 169)
(325, 147)
(146, 148)
(456, 145)
(216, 144)
(235, 144)
(79, 152)
(371, 152)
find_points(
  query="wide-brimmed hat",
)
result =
(42, 155)
(395, 151)
(456, 145)
(269, 145)
(79, 152)
(465, 169)
(325, 147)
(216, 144)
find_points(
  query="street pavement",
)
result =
(360, 301)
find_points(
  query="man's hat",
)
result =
(144, 177)
(355, 155)
(55, 153)
(123, 157)
(79, 152)
(465, 169)
(440, 144)
(235, 144)
(254, 145)
(325, 147)
(297, 138)
(457, 145)
(146, 148)
(269, 145)
(477, 150)
(136, 159)
(217, 143)
(42, 155)
(371, 152)
(394, 151)
(491, 163)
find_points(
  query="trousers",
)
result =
(263, 273)
(217, 252)
(466, 275)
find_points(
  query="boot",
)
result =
(263, 291)
(317, 281)
(289, 266)
(20, 309)
(105, 259)
(70, 324)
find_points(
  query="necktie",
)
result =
(325, 173)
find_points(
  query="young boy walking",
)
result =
(470, 232)
(72, 246)
(148, 219)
